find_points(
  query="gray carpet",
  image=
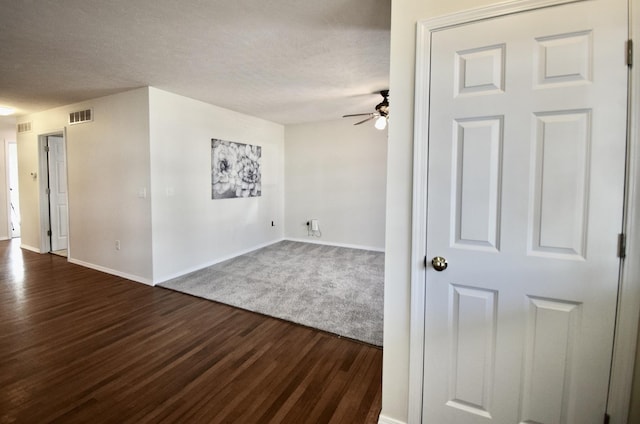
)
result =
(334, 289)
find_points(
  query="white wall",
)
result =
(190, 230)
(107, 167)
(634, 413)
(140, 173)
(404, 16)
(29, 192)
(336, 172)
(7, 133)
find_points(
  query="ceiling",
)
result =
(286, 61)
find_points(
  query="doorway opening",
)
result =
(14, 193)
(54, 197)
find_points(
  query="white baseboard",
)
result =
(387, 420)
(251, 249)
(5, 238)
(131, 277)
(213, 262)
(30, 248)
(328, 243)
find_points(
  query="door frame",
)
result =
(626, 331)
(7, 160)
(45, 215)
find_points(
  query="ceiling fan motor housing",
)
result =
(381, 110)
(383, 106)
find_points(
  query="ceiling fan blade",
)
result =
(365, 120)
(357, 114)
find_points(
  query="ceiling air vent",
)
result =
(80, 116)
(24, 127)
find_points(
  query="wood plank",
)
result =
(78, 345)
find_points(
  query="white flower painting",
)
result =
(235, 170)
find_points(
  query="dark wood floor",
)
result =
(81, 346)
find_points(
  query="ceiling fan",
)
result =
(381, 115)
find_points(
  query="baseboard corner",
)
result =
(30, 248)
(387, 420)
(335, 244)
(135, 278)
(165, 278)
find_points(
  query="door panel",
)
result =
(525, 185)
(58, 202)
(549, 361)
(477, 157)
(561, 180)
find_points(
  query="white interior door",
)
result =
(14, 192)
(525, 195)
(58, 199)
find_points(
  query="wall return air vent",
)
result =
(24, 127)
(80, 116)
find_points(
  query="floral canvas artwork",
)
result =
(235, 170)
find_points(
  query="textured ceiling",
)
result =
(287, 61)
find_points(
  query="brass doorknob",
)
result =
(439, 263)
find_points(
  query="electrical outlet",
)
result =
(117, 244)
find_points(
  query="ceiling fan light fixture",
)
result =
(380, 116)
(6, 111)
(381, 123)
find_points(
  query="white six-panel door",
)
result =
(58, 197)
(527, 131)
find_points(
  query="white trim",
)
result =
(386, 420)
(30, 248)
(329, 243)
(419, 223)
(489, 12)
(244, 252)
(625, 342)
(629, 304)
(213, 262)
(5, 238)
(8, 187)
(66, 170)
(131, 277)
(254, 248)
(43, 198)
(8, 143)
